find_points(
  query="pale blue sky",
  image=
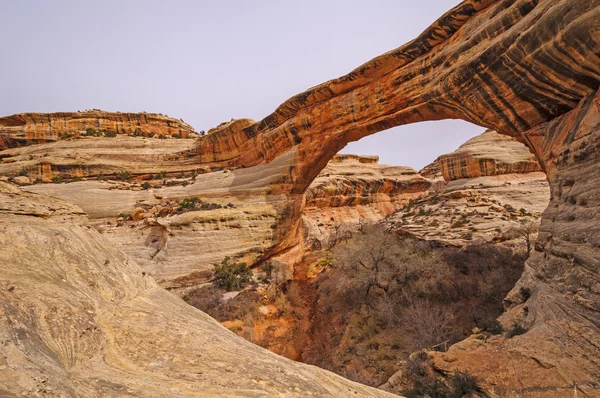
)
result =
(209, 61)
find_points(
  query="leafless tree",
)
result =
(428, 325)
(378, 261)
(529, 233)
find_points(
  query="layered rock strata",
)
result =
(557, 354)
(487, 155)
(32, 128)
(491, 189)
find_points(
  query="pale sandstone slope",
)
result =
(79, 318)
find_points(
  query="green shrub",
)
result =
(458, 224)
(57, 179)
(465, 384)
(123, 175)
(162, 175)
(267, 268)
(146, 185)
(516, 330)
(110, 133)
(231, 276)
(189, 204)
(525, 293)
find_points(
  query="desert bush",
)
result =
(89, 132)
(427, 387)
(231, 276)
(516, 330)
(110, 133)
(465, 384)
(458, 224)
(189, 204)
(492, 326)
(525, 293)
(282, 303)
(267, 269)
(146, 185)
(428, 325)
(123, 175)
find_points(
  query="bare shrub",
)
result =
(428, 325)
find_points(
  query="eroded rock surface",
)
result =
(491, 189)
(32, 128)
(80, 318)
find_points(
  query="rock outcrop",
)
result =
(487, 155)
(33, 128)
(559, 353)
(491, 189)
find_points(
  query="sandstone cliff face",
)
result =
(559, 353)
(351, 190)
(487, 155)
(29, 128)
(489, 190)
(80, 318)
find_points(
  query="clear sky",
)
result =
(208, 61)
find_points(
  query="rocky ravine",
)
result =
(528, 69)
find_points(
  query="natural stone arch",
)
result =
(526, 68)
(505, 65)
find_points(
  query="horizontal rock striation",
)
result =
(487, 155)
(29, 128)
(350, 180)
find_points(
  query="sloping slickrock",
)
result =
(78, 318)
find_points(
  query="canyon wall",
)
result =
(559, 352)
(486, 155)
(28, 128)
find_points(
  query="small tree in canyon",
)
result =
(379, 263)
(231, 276)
